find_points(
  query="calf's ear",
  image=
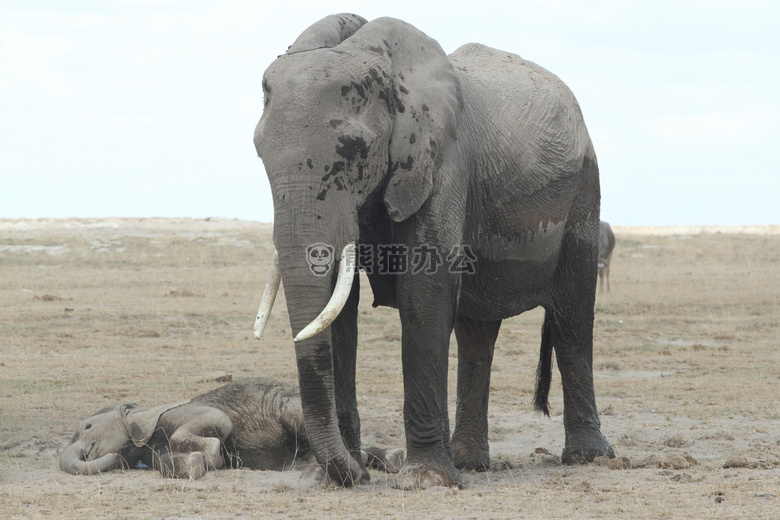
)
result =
(142, 422)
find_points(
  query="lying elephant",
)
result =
(255, 423)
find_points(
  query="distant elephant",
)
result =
(467, 187)
(606, 246)
(255, 423)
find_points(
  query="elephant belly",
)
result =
(256, 452)
(512, 274)
(504, 288)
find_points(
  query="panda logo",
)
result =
(320, 258)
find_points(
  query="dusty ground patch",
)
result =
(97, 312)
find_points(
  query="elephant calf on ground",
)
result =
(255, 423)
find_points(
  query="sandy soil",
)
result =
(102, 311)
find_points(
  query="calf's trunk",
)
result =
(74, 461)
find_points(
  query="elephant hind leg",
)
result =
(571, 331)
(476, 342)
(572, 339)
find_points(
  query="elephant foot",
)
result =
(312, 476)
(417, 476)
(390, 461)
(316, 476)
(183, 465)
(585, 444)
(394, 460)
(470, 455)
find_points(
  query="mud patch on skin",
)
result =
(404, 165)
(337, 168)
(352, 148)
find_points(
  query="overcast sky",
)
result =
(144, 108)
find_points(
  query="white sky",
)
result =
(146, 108)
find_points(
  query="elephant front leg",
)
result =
(476, 341)
(427, 315)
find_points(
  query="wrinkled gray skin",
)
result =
(606, 246)
(255, 423)
(370, 133)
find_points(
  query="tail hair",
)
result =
(544, 370)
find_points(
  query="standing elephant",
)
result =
(480, 163)
(256, 423)
(606, 246)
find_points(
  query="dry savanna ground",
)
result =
(100, 312)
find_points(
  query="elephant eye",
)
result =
(88, 426)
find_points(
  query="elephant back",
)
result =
(508, 92)
(255, 401)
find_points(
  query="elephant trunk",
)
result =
(74, 461)
(309, 250)
(307, 296)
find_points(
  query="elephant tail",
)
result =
(544, 370)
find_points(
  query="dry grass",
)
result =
(153, 311)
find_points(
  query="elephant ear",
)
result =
(426, 100)
(142, 422)
(328, 32)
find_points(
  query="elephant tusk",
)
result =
(269, 296)
(339, 297)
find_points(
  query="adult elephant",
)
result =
(480, 160)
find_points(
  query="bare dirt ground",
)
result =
(687, 367)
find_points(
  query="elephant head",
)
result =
(113, 438)
(356, 116)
